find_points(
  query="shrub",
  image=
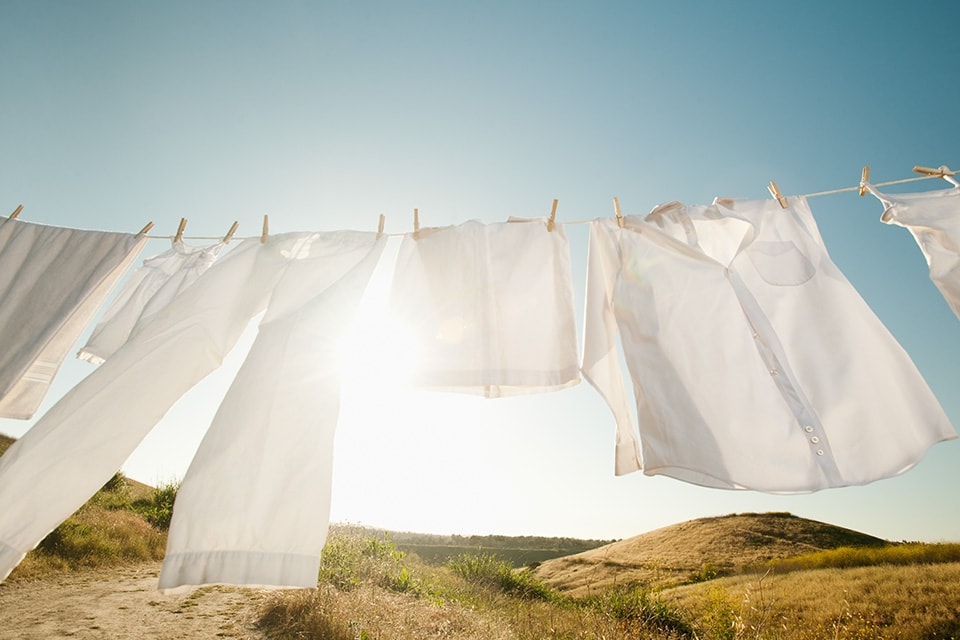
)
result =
(639, 608)
(158, 508)
(349, 560)
(491, 571)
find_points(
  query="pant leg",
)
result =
(86, 436)
(254, 506)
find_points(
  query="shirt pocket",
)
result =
(780, 263)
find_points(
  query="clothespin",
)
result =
(416, 224)
(16, 212)
(775, 192)
(145, 229)
(553, 215)
(380, 226)
(183, 225)
(616, 210)
(233, 230)
(942, 171)
(864, 179)
(266, 229)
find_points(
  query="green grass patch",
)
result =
(489, 570)
(109, 530)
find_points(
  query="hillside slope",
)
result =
(705, 546)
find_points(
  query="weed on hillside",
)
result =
(111, 529)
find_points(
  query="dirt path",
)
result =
(123, 604)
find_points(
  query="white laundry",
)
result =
(149, 289)
(85, 437)
(254, 506)
(933, 218)
(52, 282)
(755, 363)
(489, 307)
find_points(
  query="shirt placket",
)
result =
(774, 360)
(772, 355)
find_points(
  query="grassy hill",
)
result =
(696, 550)
(808, 588)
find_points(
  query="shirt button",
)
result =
(819, 452)
(808, 429)
(814, 439)
(774, 372)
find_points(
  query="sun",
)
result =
(377, 350)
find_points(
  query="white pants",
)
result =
(254, 506)
(52, 282)
(84, 438)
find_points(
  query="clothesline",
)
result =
(929, 174)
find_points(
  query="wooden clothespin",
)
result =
(416, 224)
(616, 210)
(16, 212)
(183, 225)
(553, 215)
(233, 229)
(864, 179)
(145, 229)
(380, 225)
(942, 171)
(775, 192)
(266, 229)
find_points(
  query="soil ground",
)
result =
(123, 604)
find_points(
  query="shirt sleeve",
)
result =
(600, 363)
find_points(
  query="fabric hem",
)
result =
(184, 571)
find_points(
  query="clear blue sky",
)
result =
(325, 115)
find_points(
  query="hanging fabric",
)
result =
(84, 438)
(149, 289)
(933, 219)
(489, 307)
(268, 527)
(52, 282)
(755, 363)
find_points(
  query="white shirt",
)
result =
(488, 307)
(149, 289)
(933, 218)
(755, 363)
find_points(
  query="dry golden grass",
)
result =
(373, 612)
(918, 602)
(695, 550)
(5, 442)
